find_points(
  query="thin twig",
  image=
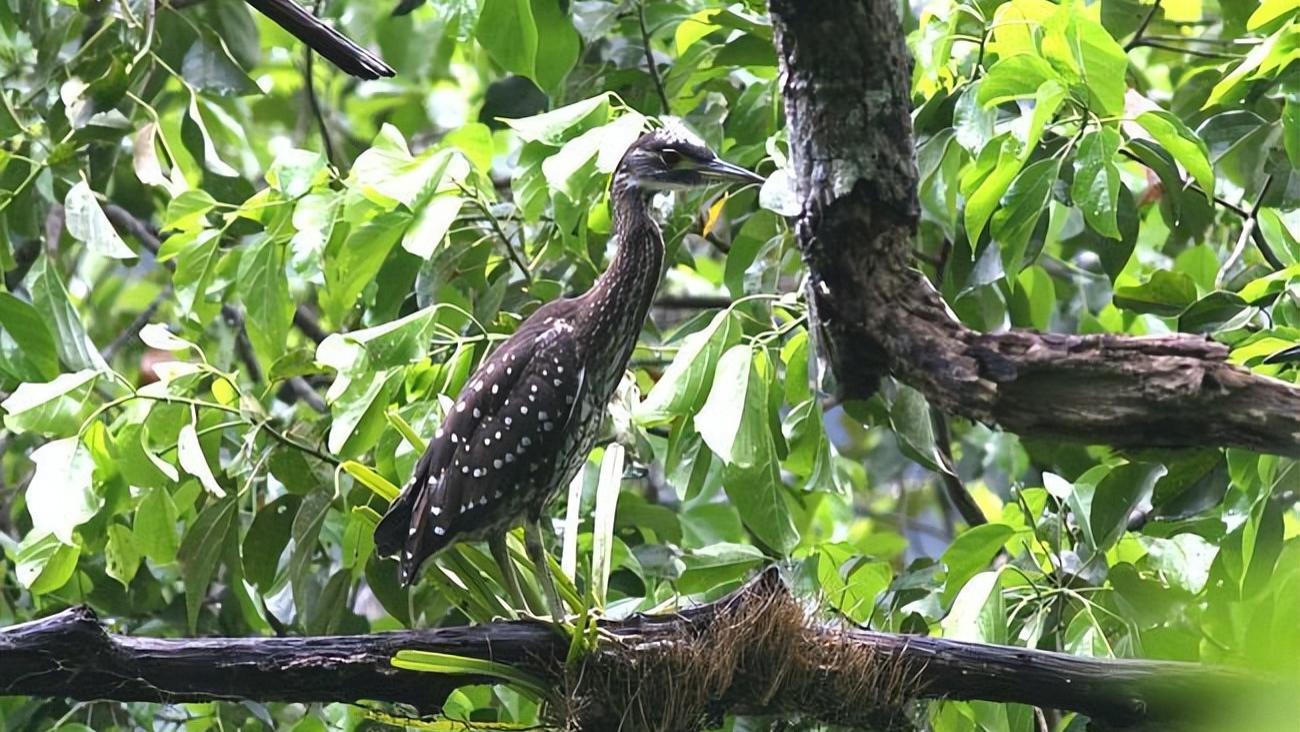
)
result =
(1189, 51)
(1142, 28)
(692, 302)
(1248, 229)
(306, 322)
(309, 85)
(650, 60)
(137, 325)
(496, 228)
(960, 497)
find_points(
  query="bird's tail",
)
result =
(333, 45)
(391, 533)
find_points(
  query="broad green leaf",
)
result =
(1002, 164)
(717, 564)
(51, 300)
(1211, 312)
(1188, 149)
(359, 261)
(1025, 201)
(88, 224)
(196, 264)
(305, 533)
(850, 582)
(977, 613)
(557, 43)
(263, 285)
(27, 350)
(688, 379)
(43, 564)
(1080, 44)
(60, 496)
(1097, 181)
(56, 407)
(1116, 497)
(121, 556)
(388, 175)
(1184, 560)
(294, 172)
(970, 553)
(201, 552)
(1047, 100)
(188, 213)
(431, 224)
(507, 30)
(558, 125)
(1269, 11)
(809, 455)
(1166, 293)
(733, 420)
(1035, 298)
(909, 415)
(602, 532)
(155, 526)
(1016, 77)
(266, 540)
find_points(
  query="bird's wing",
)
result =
(504, 430)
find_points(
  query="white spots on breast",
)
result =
(542, 415)
(498, 435)
(438, 530)
(460, 406)
(559, 369)
(491, 367)
(464, 470)
(557, 382)
(495, 388)
(509, 421)
(478, 384)
(533, 388)
(523, 410)
(431, 481)
(411, 531)
(496, 463)
(477, 413)
(548, 426)
(480, 472)
(526, 442)
(510, 457)
(487, 441)
(435, 510)
(438, 435)
(455, 438)
(482, 501)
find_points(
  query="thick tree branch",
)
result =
(759, 637)
(846, 87)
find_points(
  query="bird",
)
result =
(337, 48)
(526, 420)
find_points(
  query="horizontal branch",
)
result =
(847, 93)
(756, 650)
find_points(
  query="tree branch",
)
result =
(846, 87)
(759, 635)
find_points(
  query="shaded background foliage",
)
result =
(240, 287)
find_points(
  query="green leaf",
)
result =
(43, 564)
(557, 43)
(688, 379)
(909, 415)
(970, 553)
(1081, 45)
(558, 125)
(1025, 201)
(448, 664)
(55, 408)
(1166, 294)
(1184, 560)
(1269, 11)
(294, 172)
(88, 224)
(196, 263)
(27, 350)
(1186, 147)
(1015, 77)
(733, 420)
(188, 213)
(200, 553)
(305, 533)
(266, 540)
(121, 556)
(1035, 298)
(1211, 312)
(1291, 130)
(1000, 165)
(1115, 498)
(60, 496)
(155, 526)
(263, 285)
(508, 32)
(717, 564)
(602, 531)
(388, 175)
(431, 225)
(1097, 182)
(51, 300)
(850, 582)
(377, 483)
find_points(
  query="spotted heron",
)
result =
(527, 419)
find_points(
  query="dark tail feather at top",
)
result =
(391, 533)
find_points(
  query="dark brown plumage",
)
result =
(527, 419)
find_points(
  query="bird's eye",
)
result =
(671, 157)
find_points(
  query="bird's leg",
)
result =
(501, 553)
(537, 553)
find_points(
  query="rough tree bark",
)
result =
(70, 654)
(846, 88)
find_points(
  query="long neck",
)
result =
(620, 299)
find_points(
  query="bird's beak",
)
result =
(721, 170)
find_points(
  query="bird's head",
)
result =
(672, 158)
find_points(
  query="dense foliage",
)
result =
(240, 289)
